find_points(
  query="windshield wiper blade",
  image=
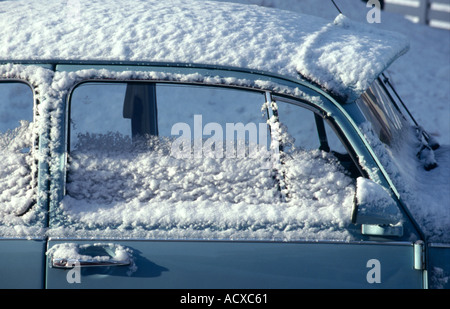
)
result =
(430, 140)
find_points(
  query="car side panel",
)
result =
(240, 265)
(22, 263)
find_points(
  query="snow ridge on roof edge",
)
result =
(379, 58)
(343, 57)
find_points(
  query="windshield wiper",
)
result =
(431, 141)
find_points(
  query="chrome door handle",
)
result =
(70, 263)
(70, 255)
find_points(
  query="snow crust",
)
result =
(16, 190)
(19, 214)
(152, 193)
(425, 193)
(340, 55)
(368, 192)
(74, 251)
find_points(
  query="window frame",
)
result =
(289, 99)
(330, 121)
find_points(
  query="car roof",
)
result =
(341, 56)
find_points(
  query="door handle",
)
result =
(70, 255)
(70, 263)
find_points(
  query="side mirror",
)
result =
(375, 210)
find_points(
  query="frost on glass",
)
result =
(121, 184)
(17, 166)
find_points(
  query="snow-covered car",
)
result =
(198, 144)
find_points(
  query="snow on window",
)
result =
(17, 166)
(121, 184)
(397, 145)
(129, 190)
(425, 193)
(341, 55)
(21, 214)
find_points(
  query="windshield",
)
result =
(379, 109)
(407, 161)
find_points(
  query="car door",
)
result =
(193, 186)
(22, 214)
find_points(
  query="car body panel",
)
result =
(244, 265)
(23, 263)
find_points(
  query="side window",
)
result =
(118, 111)
(96, 109)
(128, 142)
(16, 105)
(226, 120)
(17, 171)
(309, 131)
(148, 158)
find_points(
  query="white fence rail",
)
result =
(435, 13)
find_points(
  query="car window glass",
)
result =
(97, 109)
(212, 113)
(167, 165)
(304, 127)
(122, 133)
(309, 131)
(386, 120)
(16, 104)
(17, 169)
(299, 123)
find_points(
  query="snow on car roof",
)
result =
(341, 55)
